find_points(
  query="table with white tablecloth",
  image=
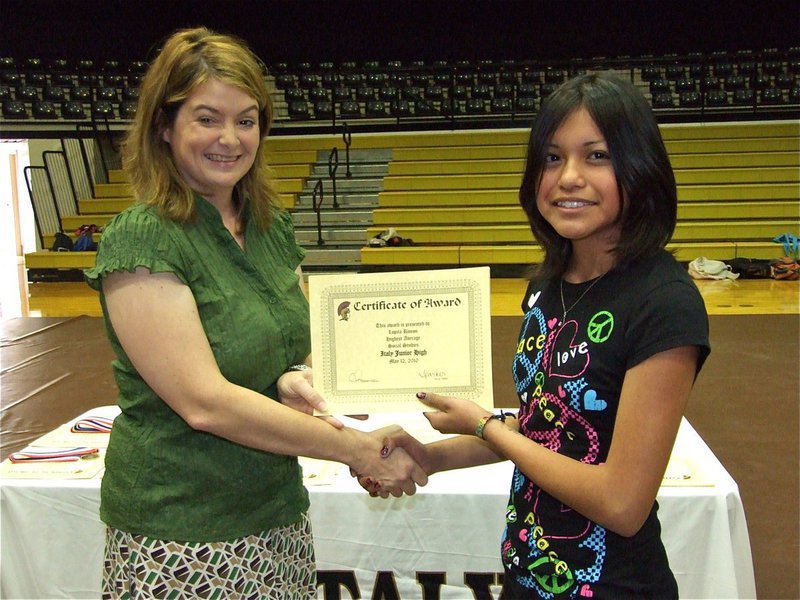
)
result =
(443, 542)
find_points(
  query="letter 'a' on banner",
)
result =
(379, 338)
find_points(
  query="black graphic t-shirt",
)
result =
(568, 374)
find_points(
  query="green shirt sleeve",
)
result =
(137, 237)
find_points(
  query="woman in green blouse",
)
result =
(204, 305)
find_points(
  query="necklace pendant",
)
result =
(574, 304)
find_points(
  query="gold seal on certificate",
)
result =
(378, 338)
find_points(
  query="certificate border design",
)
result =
(333, 294)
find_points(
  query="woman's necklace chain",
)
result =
(574, 304)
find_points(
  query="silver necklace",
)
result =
(574, 304)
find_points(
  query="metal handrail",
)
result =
(26, 171)
(318, 188)
(63, 155)
(333, 165)
(96, 130)
(85, 158)
(347, 138)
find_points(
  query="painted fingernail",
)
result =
(368, 481)
(421, 395)
(384, 452)
(377, 485)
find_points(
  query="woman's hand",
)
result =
(455, 415)
(383, 474)
(296, 391)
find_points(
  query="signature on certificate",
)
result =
(435, 375)
(357, 377)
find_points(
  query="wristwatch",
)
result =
(298, 367)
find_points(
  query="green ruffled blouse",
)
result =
(164, 479)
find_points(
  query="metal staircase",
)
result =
(345, 211)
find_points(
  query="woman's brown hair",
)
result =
(189, 58)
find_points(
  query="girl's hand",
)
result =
(455, 415)
(383, 475)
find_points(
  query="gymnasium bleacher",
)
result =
(432, 150)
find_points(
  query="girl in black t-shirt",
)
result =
(613, 336)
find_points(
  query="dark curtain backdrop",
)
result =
(306, 30)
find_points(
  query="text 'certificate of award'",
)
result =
(379, 338)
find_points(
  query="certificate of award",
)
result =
(379, 338)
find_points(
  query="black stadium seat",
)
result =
(73, 110)
(365, 93)
(736, 82)
(500, 105)
(526, 104)
(434, 92)
(481, 92)
(400, 108)
(11, 79)
(342, 94)
(547, 89)
(127, 110)
(36, 79)
(650, 73)
(476, 106)
(294, 94)
(61, 80)
(298, 109)
(503, 90)
(14, 109)
(387, 94)
(323, 109)
(675, 72)
(376, 109)
(659, 85)
(744, 97)
(663, 100)
(771, 95)
(762, 81)
(80, 94)
(784, 80)
(103, 110)
(44, 110)
(108, 94)
(27, 93)
(426, 108)
(690, 99)
(318, 94)
(717, 98)
(130, 94)
(350, 109)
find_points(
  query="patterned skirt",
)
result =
(277, 564)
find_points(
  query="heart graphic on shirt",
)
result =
(592, 402)
(568, 359)
(524, 397)
(561, 392)
(552, 323)
(586, 591)
(534, 297)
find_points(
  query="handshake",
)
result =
(390, 461)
